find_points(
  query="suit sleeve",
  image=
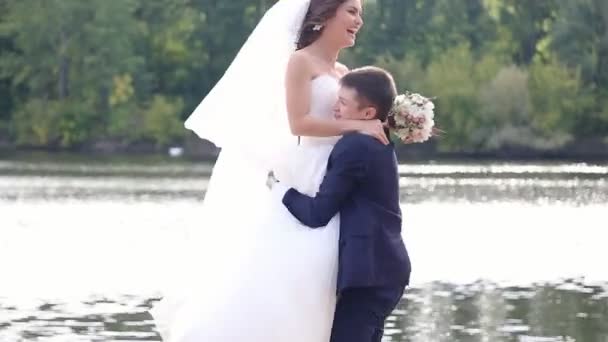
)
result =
(348, 168)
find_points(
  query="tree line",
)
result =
(504, 72)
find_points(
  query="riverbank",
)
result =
(591, 150)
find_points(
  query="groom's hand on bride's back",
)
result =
(277, 189)
(271, 180)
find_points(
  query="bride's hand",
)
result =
(373, 128)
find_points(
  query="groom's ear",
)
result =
(371, 113)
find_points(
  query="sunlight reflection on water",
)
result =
(500, 252)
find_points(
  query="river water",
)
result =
(501, 251)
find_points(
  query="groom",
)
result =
(362, 183)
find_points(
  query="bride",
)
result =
(254, 272)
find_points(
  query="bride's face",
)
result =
(343, 27)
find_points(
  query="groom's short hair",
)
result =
(375, 87)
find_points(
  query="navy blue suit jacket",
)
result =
(362, 183)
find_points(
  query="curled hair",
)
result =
(318, 13)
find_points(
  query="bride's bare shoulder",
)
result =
(300, 62)
(301, 58)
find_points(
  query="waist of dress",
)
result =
(315, 141)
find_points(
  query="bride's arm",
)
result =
(298, 87)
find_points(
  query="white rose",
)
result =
(400, 120)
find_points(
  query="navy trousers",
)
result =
(361, 312)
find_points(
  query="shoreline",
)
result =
(200, 150)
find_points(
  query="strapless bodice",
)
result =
(324, 94)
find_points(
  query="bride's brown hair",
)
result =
(318, 13)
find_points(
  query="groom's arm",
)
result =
(348, 168)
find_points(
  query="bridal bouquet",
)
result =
(412, 118)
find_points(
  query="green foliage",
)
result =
(52, 123)
(505, 105)
(579, 40)
(66, 54)
(161, 122)
(505, 99)
(5, 100)
(451, 79)
(36, 123)
(75, 124)
(408, 72)
(527, 23)
(157, 121)
(533, 73)
(176, 53)
(557, 98)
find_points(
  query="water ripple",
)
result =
(76, 238)
(480, 311)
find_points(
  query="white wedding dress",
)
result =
(257, 274)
